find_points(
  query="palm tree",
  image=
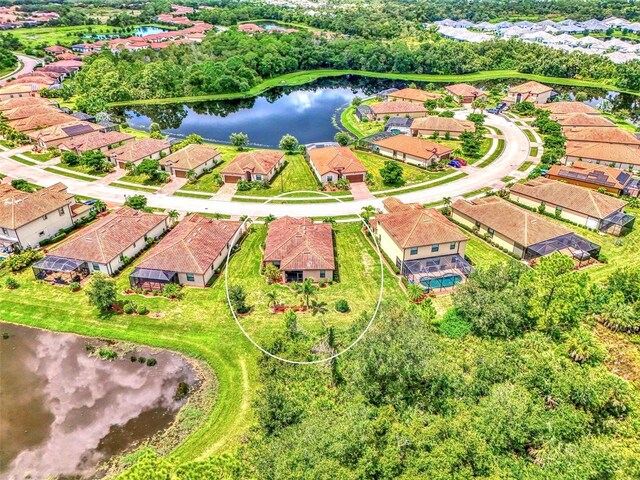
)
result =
(272, 298)
(415, 292)
(306, 290)
(318, 307)
(130, 167)
(99, 206)
(447, 205)
(367, 212)
(173, 215)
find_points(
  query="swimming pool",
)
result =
(440, 282)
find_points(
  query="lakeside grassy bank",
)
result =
(300, 78)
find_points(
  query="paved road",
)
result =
(28, 65)
(515, 153)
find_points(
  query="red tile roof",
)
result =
(605, 152)
(414, 94)
(19, 208)
(601, 135)
(414, 146)
(443, 124)
(564, 108)
(28, 111)
(300, 244)
(464, 90)
(339, 160)
(395, 108)
(530, 87)
(190, 157)
(42, 120)
(12, 103)
(192, 246)
(95, 140)
(598, 175)
(137, 150)
(583, 120)
(256, 161)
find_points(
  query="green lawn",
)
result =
(525, 166)
(39, 157)
(529, 135)
(77, 176)
(82, 170)
(141, 180)
(621, 123)
(442, 181)
(412, 174)
(206, 182)
(138, 188)
(355, 126)
(482, 254)
(22, 160)
(456, 144)
(494, 156)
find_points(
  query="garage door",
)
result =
(355, 178)
(231, 179)
(121, 164)
(180, 173)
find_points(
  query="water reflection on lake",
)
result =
(63, 411)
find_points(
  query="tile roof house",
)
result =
(28, 218)
(566, 108)
(56, 50)
(19, 113)
(412, 150)
(422, 243)
(301, 249)
(255, 165)
(533, 92)
(520, 232)
(105, 245)
(138, 150)
(465, 93)
(11, 103)
(192, 158)
(96, 140)
(610, 136)
(573, 120)
(399, 125)
(398, 108)
(583, 206)
(39, 121)
(612, 154)
(19, 90)
(189, 254)
(590, 175)
(427, 126)
(413, 95)
(56, 134)
(331, 164)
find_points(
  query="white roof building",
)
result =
(616, 22)
(619, 57)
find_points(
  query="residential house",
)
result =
(56, 50)
(189, 254)
(615, 155)
(596, 177)
(192, 158)
(18, 91)
(533, 92)
(105, 246)
(412, 95)
(301, 249)
(254, 166)
(583, 206)
(40, 121)
(56, 134)
(426, 247)
(19, 113)
(399, 125)
(28, 218)
(96, 140)
(566, 108)
(465, 93)
(250, 28)
(412, 150)
(428, 126)
(611, 136)
(520, 232)
(573, 120)
(137, 151)
(331, 164)
(380, 111)
(11, 103)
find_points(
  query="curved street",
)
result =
(27, 64)
(516, 152)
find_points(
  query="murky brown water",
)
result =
(63, 411)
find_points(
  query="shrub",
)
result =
(243, 185)
(11, 283)
(142, 310)
(272, 273)
(172, 290)
(20, 261)
(181, 391)
(453, 325)
(107, 354)
(238, 299)
(151, 362)
(101, 292)
(133, 358)
(142, 359)
(129, 308)
(582, 347)
(74, 286)
(342, 306)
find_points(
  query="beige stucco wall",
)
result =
(29, 234)
(379, 117)
(567, 214)
(497, 238)
(200, 169)
(622, 166)
(315, 275)
(385, 152)
(428, 132)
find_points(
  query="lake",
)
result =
(309, 112)
(63, 411)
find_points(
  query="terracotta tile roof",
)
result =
(583, 120)
(414, 94)
(335, 160)
(564, 108)
(190, 157)
(40, 80)
(615, 152)
(464, 90)
(410, 225)
(19, 88)
(12, 103)
(414, 146)
(530, 87)
(601, 135)
(137, 150)
(571, 197)
(192, 246)
(63, 130)
(255, 161)
(300, 244)
(443, 124)
(28, 111)
(19, 208)
(106, 239)
(43, 120)
(395, 108)
(521, 226)
(600, 175)
(95, 140)
(56, 49)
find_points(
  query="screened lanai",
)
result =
(618, 224)
(580, 249)
(437, 273)
(150, 279)
(60, 270)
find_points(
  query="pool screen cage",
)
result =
(436, 273)
(151, 279)
(618, 223)
(580, 249)
(60, 270)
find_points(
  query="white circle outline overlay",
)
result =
(257, 345)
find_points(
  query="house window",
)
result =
(5, 231)
(61, 211)
(435, 248)
(322, 274)
(477, 224)
(190, 277)
(95, 266)
(491, 232)
(414, 250)
(45, 217)
(134, 244)
(329, 178)
(452, 246)
(42, 233)
(258, 178)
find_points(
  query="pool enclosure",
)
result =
(437, 273)
(580, 249)
(617, 224)
(60, 270)
(149, 279)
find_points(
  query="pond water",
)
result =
(144, 30)
(63, 411)
(309, 112)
